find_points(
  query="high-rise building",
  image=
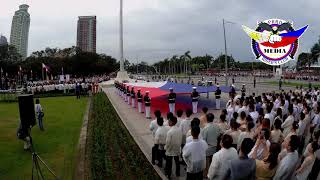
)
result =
(3, 40)
(20, 30)
(86, 33)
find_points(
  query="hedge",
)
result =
(113, 153)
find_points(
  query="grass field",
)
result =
(56, 145)
(112, 152)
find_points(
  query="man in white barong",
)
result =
(221, 159)
(194, 155)
(287, 165)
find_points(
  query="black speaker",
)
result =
(26, 109)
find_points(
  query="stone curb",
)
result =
(80, 167)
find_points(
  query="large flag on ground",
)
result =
(163, 88)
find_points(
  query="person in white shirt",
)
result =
(248, 133)
(253, 113)
(276, 133)
(194, 155)
(210, 134)
(287, 124)
(303, 172)
(316, 119)
(39, 113)
(288, 164)
(179, 117)
(194, 122)
(269, 115)
(159, 141)
(185, 125)
(244, 108)
(153, 124)
(234, 132)
(262, 145)
(221, 159)
(172, 147)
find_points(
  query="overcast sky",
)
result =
(155, 29)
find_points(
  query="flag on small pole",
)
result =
(47, 77)
(46, 69)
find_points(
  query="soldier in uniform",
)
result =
(147, 104)
(128, 95)
(232, 92)
(195, 97)
(254, 81)
(218, 96)
(133, 97)
(172, 100)
(243, 91)
(139, 98)
(124, 93)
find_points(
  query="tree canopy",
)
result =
(71, 60)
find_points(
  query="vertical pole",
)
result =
(225, 52)
(42, 74)
(137, 66)
(121, 38)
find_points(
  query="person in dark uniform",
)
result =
(123, 93)
(232, 92)
(128, 95)
(195, 96)
(139, 99)
(218, 96)
(280, 83)
(133, 97)
(232, 79)
(243, 91)
(254, 82)
(215, 80)
(172, 100)
(147, 104)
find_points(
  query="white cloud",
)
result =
(155, 29)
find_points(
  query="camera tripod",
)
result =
(36, 165)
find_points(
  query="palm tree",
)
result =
(187, 58)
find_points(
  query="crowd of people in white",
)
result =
(272, 136)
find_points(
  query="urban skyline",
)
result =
(3, 40)
(156, 29)
(20, 30)
(87, 33)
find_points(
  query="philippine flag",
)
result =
(287, 38)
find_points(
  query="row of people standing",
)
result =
(131, 97)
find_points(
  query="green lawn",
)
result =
(56, 145)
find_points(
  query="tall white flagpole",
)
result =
(121, 37)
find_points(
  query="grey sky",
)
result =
(155, 29)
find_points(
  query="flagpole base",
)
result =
(122, 76)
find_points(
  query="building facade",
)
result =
(86, 33)
(3, 40)
(20, 30)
